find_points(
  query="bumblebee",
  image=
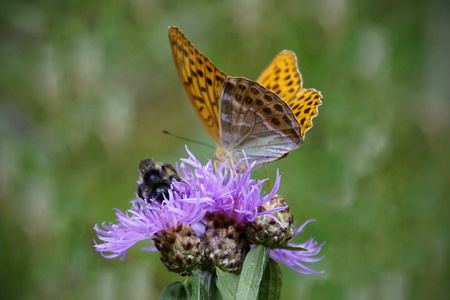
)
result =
(155, 180)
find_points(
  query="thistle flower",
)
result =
(295, 259)
(209, 219)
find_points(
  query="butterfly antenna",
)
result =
(185, 139)
(268, 179)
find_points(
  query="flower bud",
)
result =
(266, 230)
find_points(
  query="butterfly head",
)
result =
(222, 154)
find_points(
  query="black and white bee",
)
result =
(155, 180)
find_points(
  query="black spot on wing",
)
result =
(287, 120)
(267, 110)
(275, 121)
(278, 107)
(267, 98)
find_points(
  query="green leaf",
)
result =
(208, 286)
(227, 284)
(193, 288)
(175, 290)
(199, 286)
(270, 287)
(252, 272)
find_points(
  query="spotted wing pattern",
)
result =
(257, 121)
(305, 107)
(201, 79)
(283, 77)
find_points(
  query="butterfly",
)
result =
(266, 119)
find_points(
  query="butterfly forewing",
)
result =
(282, 76)
(257, 121)
(201, 79)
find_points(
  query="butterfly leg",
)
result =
(267, 176)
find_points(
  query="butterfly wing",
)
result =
(282, 76)
(202, 81)
(257, 121)
(305, 105)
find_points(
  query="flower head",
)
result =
(207, 221)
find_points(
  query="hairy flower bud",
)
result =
(179, 249)
(272, 230)
(224, 244)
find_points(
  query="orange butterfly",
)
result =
(265, 119)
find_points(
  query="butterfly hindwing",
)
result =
(257, 121)
(201, 79)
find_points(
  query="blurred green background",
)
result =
(86, 89)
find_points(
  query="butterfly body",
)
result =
(265, 119)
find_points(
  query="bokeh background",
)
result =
(86, 87)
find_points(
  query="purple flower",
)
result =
(295, 259)
(234, 193)
(196, 204)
